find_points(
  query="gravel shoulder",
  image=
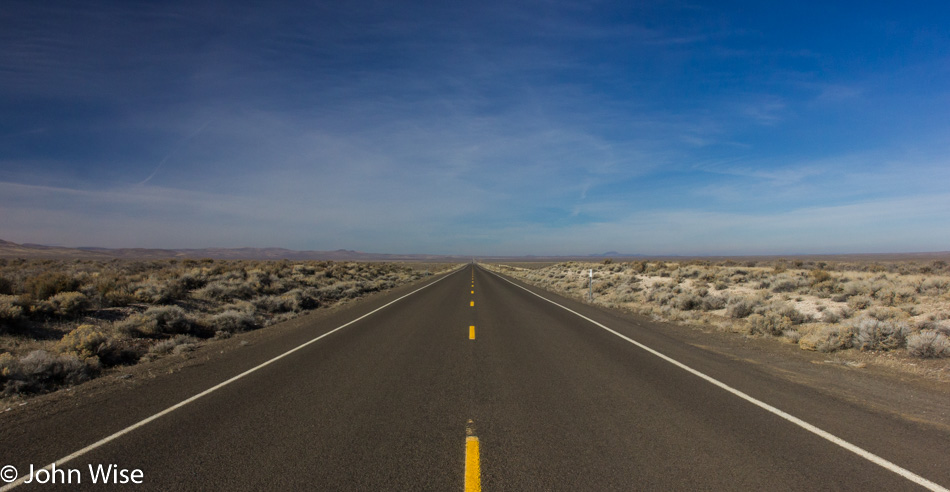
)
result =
(860, 378)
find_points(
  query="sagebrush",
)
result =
(821, 306)
(62, 322)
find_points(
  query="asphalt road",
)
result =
(556, 402)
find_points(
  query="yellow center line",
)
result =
(472, 304)
(471, 332)
(473, 467)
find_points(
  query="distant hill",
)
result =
(38, 251)
(30, 251)
(14, 250)
(614, 254)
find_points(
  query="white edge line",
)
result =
(210, 390)
(909, 475)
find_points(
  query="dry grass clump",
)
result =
(821, 306)
(73, 318)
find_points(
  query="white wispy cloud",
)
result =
(892, 225)
(768, 110)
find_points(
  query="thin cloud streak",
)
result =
(180, 144)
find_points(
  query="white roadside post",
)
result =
(590, 287)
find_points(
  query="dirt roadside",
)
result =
(873, 380)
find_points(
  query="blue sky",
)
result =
(482, 128)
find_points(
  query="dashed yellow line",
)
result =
(472, 304)
(473, 467)
(471, 332)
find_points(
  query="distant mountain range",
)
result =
(13, 250)
(38, 251)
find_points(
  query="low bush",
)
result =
(68, 304)
(875, 334)
(712, 303)
(859, 302)
(48, 284)
(905, 294)
(39, 371)
(156, 291)
(233, 321)
(90, 341)
(225, 290)
(11, 313)
(6, 286)
(84, 342)
(788, 311)
(108, 292)
(304, 299)
(740, 307)
(786, 285)
(933, 286)
(336, 291)
(159, 320)
(883, 313)
(819, 276)
(827, 339)
(173, 344)
(793, 336)
(169, 319)
(276, 304)
(831, 316)
(687, 302)
(771, 324)
(928, 344)
(637, 266)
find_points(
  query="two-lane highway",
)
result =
(548, 400)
